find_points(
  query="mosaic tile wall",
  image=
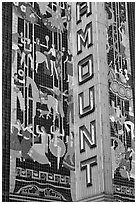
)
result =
(121, 101)
(42, 138)
(42, 155)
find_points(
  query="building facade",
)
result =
(68, 101)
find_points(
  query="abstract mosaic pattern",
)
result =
(121, 99)
(42, 118)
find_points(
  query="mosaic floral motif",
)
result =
(50, 14)
(121, 98)
(46, 192)
(42, 70)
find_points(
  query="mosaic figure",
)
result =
(70, 110)
(69, 159)
(57, 146)
(40, 57)
(27, 52)
(14, 140)
(15, 45)
(26, 142)
(17, 93)
(69, 64)
(52, 53)
(117, 154)
(37, 151)
(15, 152)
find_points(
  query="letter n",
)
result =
(87, 137)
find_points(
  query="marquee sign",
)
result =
(86, 98)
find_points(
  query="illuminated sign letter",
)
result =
(88, 164)
(82, 9)
(85, 69)
(91, 104)
(88, 137)
(84, 38)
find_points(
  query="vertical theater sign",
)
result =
(85, 73)
(42, 135)
(103, 96)
(91, 102)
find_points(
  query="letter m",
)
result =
(84, 38)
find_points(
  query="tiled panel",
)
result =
(121, 85)
(41, 139)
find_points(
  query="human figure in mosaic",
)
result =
(27, 51)
(52, 53)
(14, 140)
(15, 45)
(47, 137)
(58, 63)
(57, 146)
(70, 110)
(125, 164)
(26, 142)
(37, 151)
(69, 159)
(17, 93)
(124, 45)
(117, 153)
(68, 17)
(124, 37)
(116, 116)
(15, 152)
(69, 65)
